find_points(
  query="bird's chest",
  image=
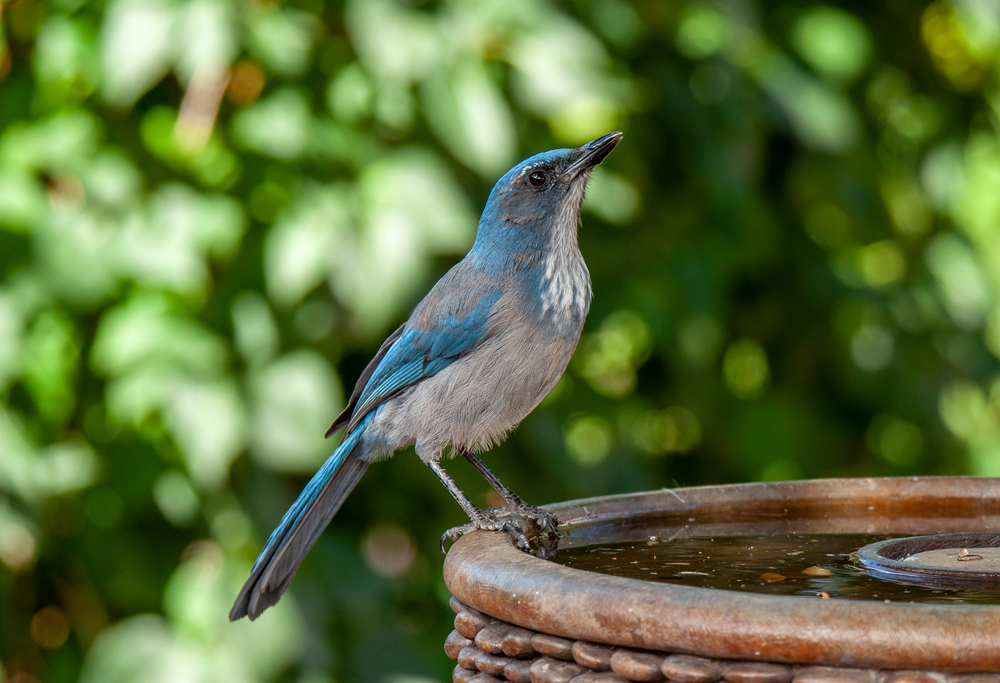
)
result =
(563, 292)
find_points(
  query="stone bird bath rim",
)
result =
(485, 571)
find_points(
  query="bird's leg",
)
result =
(546, 521)
(479, 519)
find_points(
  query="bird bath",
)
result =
(751, 583)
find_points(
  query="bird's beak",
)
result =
(593, 153)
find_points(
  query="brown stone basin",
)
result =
(655, 629)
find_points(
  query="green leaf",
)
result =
(282, 39)
(301, 249)
(168, 245)
(470, 115)
(277, 127)
(148, 328)
(23, 203)
(295, 399)
(11, 334)
(833, 42)
(411, 209)
(137, 47)
(207, 41)
(208, 423)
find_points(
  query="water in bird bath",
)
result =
(818, 566)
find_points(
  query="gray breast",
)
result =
(478, 399)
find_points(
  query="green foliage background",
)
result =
(213, 211)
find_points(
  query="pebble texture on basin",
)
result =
(490, 651)
(524, 618)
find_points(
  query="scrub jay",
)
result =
(476, 356)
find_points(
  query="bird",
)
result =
(474, 358)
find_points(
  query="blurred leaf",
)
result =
(608, 359)
(168, 247)
(11, 334)
(176, 498)
(137, 47)
(255, 331)
(277, 127)
(112, 180)
(350, 94)
(589, 440)
(821, 116)
(295, 399)
(611, 197)
(963, 286)
(832, 41)
(745, 368)
(65, 59)
(135, 396)
(51, 354)
(208, 423)
(563, 74)
(301, 249)
(77, 253)
(701, 31)
(469, 114)
(22, 202)
(149, 329)
(282, 39)
(60, 143)
(412, 208)
(205, 30)
(397, 44)
(35, 474)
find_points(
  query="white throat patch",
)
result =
(566, 283)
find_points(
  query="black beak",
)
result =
(594, 152)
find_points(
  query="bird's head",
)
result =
(543, 193)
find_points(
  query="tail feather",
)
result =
(300, 527)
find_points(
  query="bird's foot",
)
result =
(546, 522)
(543, 544)
(488, 522)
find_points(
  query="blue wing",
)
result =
(435, 336)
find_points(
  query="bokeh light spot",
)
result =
(17, 546)
(700, 338)
(589, 439)
(701, 32)
(745, 368)
(246, 82)
(388, 550)
(834, 42)
(50, 627)
(610, 357)
(896, 440)
(881, 263)
(674, 430)
(828, 226)
(872, 347)
(176, 498)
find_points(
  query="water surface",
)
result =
(819, 566)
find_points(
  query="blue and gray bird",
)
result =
(476, 356)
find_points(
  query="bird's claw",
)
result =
(500, 519)
(488, 523)
(546, 522)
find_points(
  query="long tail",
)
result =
(300, 527)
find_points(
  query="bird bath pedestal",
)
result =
(749, 583)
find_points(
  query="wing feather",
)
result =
(418, 352)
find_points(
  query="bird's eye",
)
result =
(537, 178)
